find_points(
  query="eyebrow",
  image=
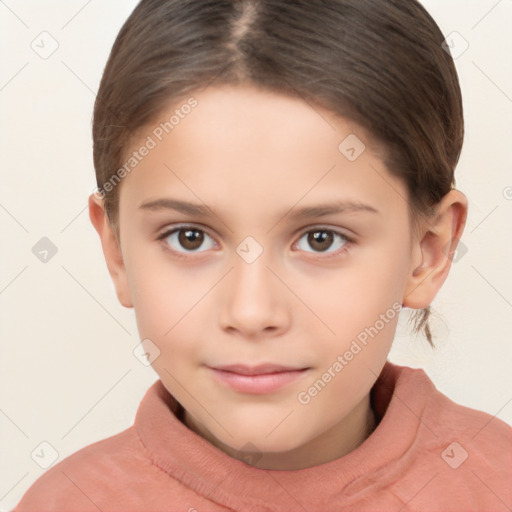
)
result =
(305, 212)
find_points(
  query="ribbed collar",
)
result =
(398, 398)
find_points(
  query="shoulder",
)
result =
(466, 452)
(454, 457)
(485, 432)
(443, 416)
(443, 421)
(83, 479)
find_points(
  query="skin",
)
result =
(254, 157)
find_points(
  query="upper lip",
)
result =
(260, 369)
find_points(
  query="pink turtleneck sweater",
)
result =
(427, 453)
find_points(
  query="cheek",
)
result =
(167, 310)
(380, 271)
(354, 298)
(359, 306)
(350, 364)
(166, 297)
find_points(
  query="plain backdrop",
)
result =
(68, 376)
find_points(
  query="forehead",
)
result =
(241, 143)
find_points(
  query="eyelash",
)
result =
(349, 241)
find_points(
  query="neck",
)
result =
(335, 442)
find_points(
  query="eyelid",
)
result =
(345, 233)
(168, 230)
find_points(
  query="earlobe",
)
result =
(111, 249)
(432, 254)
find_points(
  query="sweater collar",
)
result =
(398, 398)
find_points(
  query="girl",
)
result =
(275, 183)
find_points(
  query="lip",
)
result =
(260, 369)
(260, 379)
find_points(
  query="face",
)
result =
(245, 241)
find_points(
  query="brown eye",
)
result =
(187, 240)
(190, 239)
(321, 240)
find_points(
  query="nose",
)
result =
(255, 302)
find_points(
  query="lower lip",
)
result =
(258, 384)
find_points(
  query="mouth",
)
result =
(260, 379)
(261, 369)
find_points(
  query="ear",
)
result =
(111, 249)
(433, 250)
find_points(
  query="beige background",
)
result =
(68, 376)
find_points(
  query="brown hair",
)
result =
(379, 63)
